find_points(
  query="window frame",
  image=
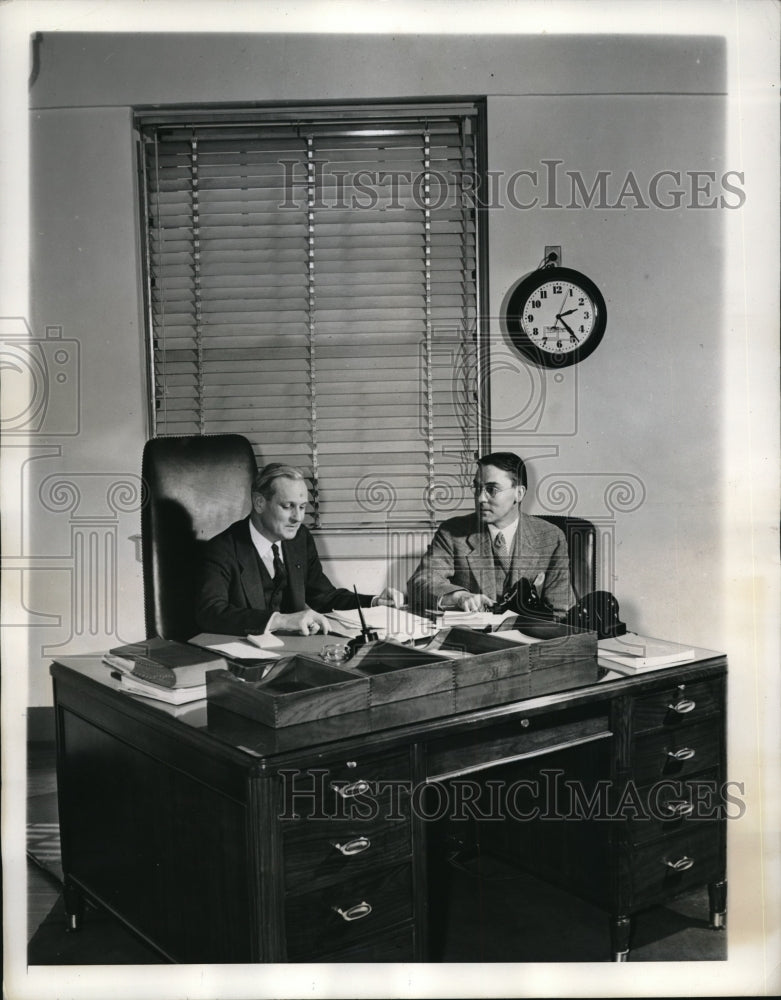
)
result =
(362, 112)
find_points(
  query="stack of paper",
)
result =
(389, 623)
(171, 696)
(631, 652)
(173, 672)
(474, 619)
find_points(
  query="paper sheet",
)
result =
(388, 622)
(235, 646)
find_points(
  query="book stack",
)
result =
(475, 619)
(162, 669)
(630, 653)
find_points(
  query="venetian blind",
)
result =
(312, 285)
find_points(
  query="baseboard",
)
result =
(40, 725)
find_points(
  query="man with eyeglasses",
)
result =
(474, 560)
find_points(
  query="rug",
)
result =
(43, 833)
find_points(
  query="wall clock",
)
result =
(556, 317)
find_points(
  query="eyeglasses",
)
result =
(490, 490)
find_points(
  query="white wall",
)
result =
(645, 409)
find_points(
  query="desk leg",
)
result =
(73, 899)
(620, 930)
(717, 897)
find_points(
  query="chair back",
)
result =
(194, 488)
(581, 538)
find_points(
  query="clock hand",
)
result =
(569, 312)
(568, 328)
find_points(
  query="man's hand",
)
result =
(389, 598)
(306, 622)
(462, 600)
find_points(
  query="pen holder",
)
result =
(366, 637)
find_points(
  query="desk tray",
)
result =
(467, 669)
(397, 672)
(494, 670)
(299, 689)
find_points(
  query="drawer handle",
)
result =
(683, 706)
(681, 865)
(357, 912)
(355, 846)
(681, 808)
(685, 753)
(350, 791)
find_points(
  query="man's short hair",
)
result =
(265, 478)
(508, 462)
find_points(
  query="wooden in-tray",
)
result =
(460, 669)
(298, 690)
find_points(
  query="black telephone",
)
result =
(523, 600)
(596, 612)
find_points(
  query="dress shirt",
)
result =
(508, 532)
(263, 548)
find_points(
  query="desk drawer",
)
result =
(319, 852)
(677, 753)
(676, 806)
(675, 864)
(678, 705)
(358, 789)
(517, 740)
(392, 945)
(345, 915)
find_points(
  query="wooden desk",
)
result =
(220, 840)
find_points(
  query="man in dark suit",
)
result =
(475, 559)
(263, 574)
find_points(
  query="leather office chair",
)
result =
(194, 488)
(581, 538)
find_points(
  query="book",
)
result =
(167, 663)
(167, 695)
(641, 652)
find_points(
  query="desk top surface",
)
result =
(383, 726)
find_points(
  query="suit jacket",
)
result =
(230, 598)
(460, 557)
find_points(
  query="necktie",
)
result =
(278, 565)
(501, 553)
(280, 579)
(501, 564)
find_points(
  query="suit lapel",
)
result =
(526, 558)
(516, 556)
(247, 559)
(480, 559)
(294, 553)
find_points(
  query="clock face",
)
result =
(556, 316)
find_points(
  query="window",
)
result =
(312, 285)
